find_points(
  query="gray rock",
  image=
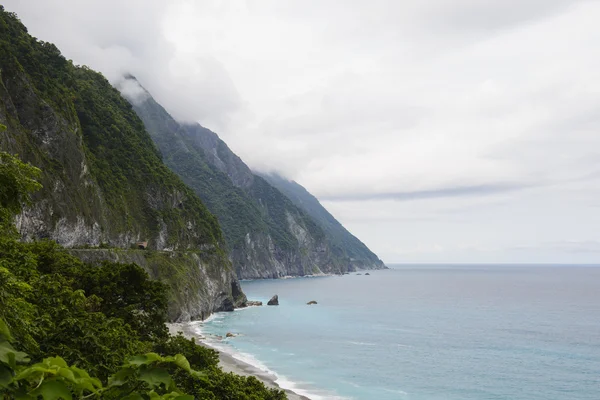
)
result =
(311, 302)
(252, 303)
(367, 273)
(274, 301)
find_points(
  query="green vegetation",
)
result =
(237, 213)
(70, 330)
(343, 243)
(99, 162)
(252, 207)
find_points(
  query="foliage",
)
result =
(140, 377)
(343, 243)
(17, 181)
(77, 323)
(255, 208)
(133, 190)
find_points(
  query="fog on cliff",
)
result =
(435, 131)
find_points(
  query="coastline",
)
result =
(228, 363)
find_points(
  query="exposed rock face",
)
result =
(274, 301)
(343, 244)
(310, 303)
(104, 182)
(197, 287)
(267, 234)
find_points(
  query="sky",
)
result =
(435, 131)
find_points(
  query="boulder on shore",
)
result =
(252, 303)
(311, 302)
(274, 301)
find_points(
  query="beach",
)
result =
(230, 364)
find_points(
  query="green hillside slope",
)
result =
(104, 183)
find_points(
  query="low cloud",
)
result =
(461, 191)
(444, 102)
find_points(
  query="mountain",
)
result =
(267, 234)
(343, 242)
(104, 182)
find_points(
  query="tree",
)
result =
(17, 182)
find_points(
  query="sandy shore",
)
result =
(230, 364)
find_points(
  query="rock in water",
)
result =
(367, 273)
(311, 302)
(274, 301)
(252, 303)
(229, 334)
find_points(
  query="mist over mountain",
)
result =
(268, 233)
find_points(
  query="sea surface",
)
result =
(426, 332)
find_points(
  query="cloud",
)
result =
(132, 37)
(483, 113)
(132, 90)
(460, 191)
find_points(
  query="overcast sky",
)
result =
(434, 130)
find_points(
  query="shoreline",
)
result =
(228, 363)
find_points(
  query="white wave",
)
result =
(283, 382)
(398, 391)
(362, 343)
(313, 394)
(351, 383)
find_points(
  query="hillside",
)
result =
(267, 234)
(344, 243)
(104, 183)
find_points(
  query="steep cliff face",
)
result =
(103, 179)
(344, 244)
(267, 235)
(199, 286)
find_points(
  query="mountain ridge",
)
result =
(104, 182)
(343, 240)
(269, 236)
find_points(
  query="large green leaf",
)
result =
(121, 377)
(146, 359)
(182, 362)
(53, 390)
(10, 356)
(6, 376)
(155, 377)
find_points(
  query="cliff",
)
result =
(199, 286)
(268, 236)
(104, 182)
(344, 243)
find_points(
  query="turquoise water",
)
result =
(427, 332)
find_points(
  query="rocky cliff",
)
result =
(267, 234)
(104, 182)
(344, 243)
(198, 283)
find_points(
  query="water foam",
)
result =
(282, 381)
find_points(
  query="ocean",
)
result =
(426, 332)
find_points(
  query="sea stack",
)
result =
(274, 301)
